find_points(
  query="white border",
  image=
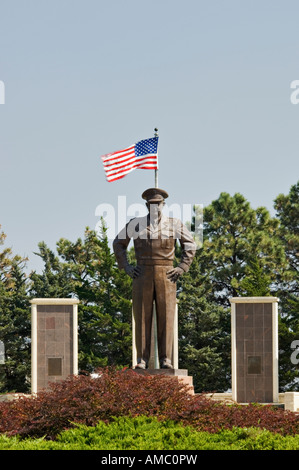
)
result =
(75, 339)
(45, 301)
(253, 300)
(233, 352)
(275, 352)
(33, 348)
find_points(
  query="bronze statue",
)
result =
(154, 277)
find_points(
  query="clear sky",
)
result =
(85, 78)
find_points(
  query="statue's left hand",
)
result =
(133, 271)
(174, 274)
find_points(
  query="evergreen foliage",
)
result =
(237, 240)
(148, 433)
(204, 332)
(287, 285)
(15, 326)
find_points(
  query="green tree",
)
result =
(237, 239)
(287, 211)
(14, 321)
(204, 334)
(256, 283)
(55, 281)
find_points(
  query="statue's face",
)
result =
(155, 209)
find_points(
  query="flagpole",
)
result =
(156, 171)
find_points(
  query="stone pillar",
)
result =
(54, 341)
(254, 341)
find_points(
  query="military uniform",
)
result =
(154, 244)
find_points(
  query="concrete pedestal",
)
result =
(180, 375)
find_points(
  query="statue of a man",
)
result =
(154, 277)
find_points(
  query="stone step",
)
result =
(180, 375)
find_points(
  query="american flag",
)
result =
(142, 155)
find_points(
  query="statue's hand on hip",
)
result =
(174, 274)
(133, 271)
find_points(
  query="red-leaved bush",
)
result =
(86, 400)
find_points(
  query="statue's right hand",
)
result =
(133, 271)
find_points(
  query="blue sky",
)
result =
(84, 78)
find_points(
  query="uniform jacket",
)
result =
(155, 243)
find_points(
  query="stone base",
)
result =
(180, 375)
(289, 401)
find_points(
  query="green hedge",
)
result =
(148, 433)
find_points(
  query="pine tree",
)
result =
(287, 210)
(204, 334)
(235, 238)
(55, 280)
(256, 282)
(15, 323)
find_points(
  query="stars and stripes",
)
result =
(142, 155)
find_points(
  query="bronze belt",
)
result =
(155, 262)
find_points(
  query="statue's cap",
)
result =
(154, 195)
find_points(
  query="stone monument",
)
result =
(254, 339)
(54, 341)
(154, 277)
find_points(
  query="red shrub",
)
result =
(87, 400)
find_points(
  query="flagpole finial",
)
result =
(156, 171)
